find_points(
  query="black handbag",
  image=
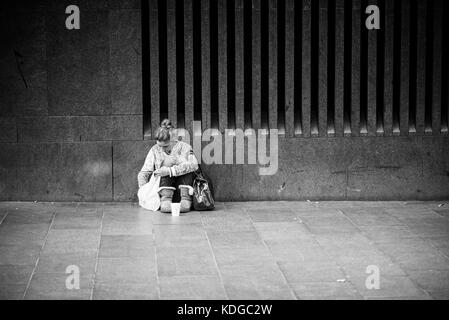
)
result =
(203, 194)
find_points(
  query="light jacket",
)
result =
(181, 155)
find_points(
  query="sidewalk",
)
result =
(241, 250)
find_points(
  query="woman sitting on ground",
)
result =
(175, 163)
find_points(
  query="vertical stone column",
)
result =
(339, 66)
(421, 67)
(372, 76)
(405, 67)
(306, 72)
(322, 68)
(388, 78)
(437, 62)
(171, 61)
(256, 71)
(188, 65)
(222, 66)
(289, 66)
(273, 64)
(205, 65)
(239, 67)
(154, 66)
(355, 76)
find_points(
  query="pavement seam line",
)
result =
(274, 259)
(158, 283)
(215, 259)
(38, 257)
(97, 257)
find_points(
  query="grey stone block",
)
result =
(51, 286)
(23, 64)
(54, 171)
(78, 65)
(120, 246)
(84, 5)
(384, 169)
(198, 287)
(128, 158)
(124, 4)
(75, 129)
(8, 130)
(258, 282)
(125, 61)
(435, 174)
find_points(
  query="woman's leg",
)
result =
(166, 190)
(184, 183)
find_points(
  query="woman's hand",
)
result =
(162, 172)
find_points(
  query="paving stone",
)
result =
(118, 246)
(428, 230)
(320, 230)
(185, 261)
(343, 240)
(441, 243)
(52, 286)
(357, 267)
(233, 239)
(387, 233)
(404, 245)
(325, 291)
(23, 233)
(439, 294)
(430, 280)
(282, 230)
(258, 215)
(297, 250)
(124, 270)
(191, 287)
(444, 212)
(319, 212)
(389, 286)
(19, 254)
(326, 222)
(227, 222)
(247, 255)
(423, 261)
(359, 204)
(180, 235)
(133, 227)
(118, 290)
(12, 291)
(305, 271)
(58, 263)
(77, 221)
(72, 241)
(184, 218)
(255, 282)
(373, 219)
(29, 218)
(14, 274)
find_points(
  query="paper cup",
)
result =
(175, 208)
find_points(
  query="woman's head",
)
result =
(164, 133)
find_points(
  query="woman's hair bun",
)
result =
(166, 124)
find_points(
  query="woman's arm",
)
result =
(188, 163)
(148, 167)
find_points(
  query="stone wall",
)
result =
(71, 123)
